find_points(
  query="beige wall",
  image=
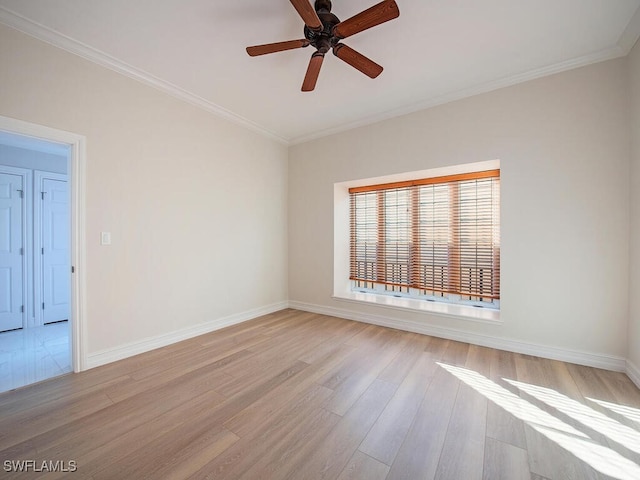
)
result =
(563, 143)
(197, 206)
(634, 289)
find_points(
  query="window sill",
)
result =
(464, 312)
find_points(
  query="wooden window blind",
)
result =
(438, 235)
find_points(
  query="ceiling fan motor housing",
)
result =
(323, 40)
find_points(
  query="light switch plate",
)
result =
(105, 238)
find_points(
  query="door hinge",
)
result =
(21, 193)
(21, 251)
(42, 250)
(73, 269)
(43, 305)
(22, 309)
(42, 195)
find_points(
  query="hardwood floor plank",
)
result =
(386, 436)
(625, 405)
(368, 351)
(277, 402)
(623, 389)
(201, 355)
(456, 353)
(463, 450)
(258, 364)
(467, 428)
(436, 347)
(546, 457)
(598, 421)
(501, 424)
(191, 458)
(281, 396)
(133, 387)
(330, 457)
(295, 323)
(226, 341)
(126, 425)
(299, 442)
(21, 451)
(402, 364)
(367, 368)
(32, 423)
(69, 387)
(196, 436)
(367, 335)
(479, 359)
(275, 441)
(428, 431)
(363, 467)
(503, 461)
(340, 335)
(589, 383)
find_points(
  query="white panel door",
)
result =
(56, 269)
(11, 250)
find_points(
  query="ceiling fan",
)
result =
(324, 31)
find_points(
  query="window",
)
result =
(433, 238)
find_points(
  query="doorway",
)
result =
(41, 294)
(34, 261)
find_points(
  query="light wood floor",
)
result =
(295, 395)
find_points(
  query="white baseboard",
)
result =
(134, 348)
(633, 372)
(607, 362)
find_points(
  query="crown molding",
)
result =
(614, 52)
(624, 45)
(57, 39)
(631, 33)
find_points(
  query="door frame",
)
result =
(76, 164)
(38, 273)
(26, 216)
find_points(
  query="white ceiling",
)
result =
(436, 51)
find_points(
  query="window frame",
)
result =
(485, 170)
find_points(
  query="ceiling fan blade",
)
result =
(313, 70)
(380, 13)
(308, 14)
(276, 47)
(357, 60)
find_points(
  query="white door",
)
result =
(56, 269)
(11, 251)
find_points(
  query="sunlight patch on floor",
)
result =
(589, 417)
(631, 413)
(599, 457)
